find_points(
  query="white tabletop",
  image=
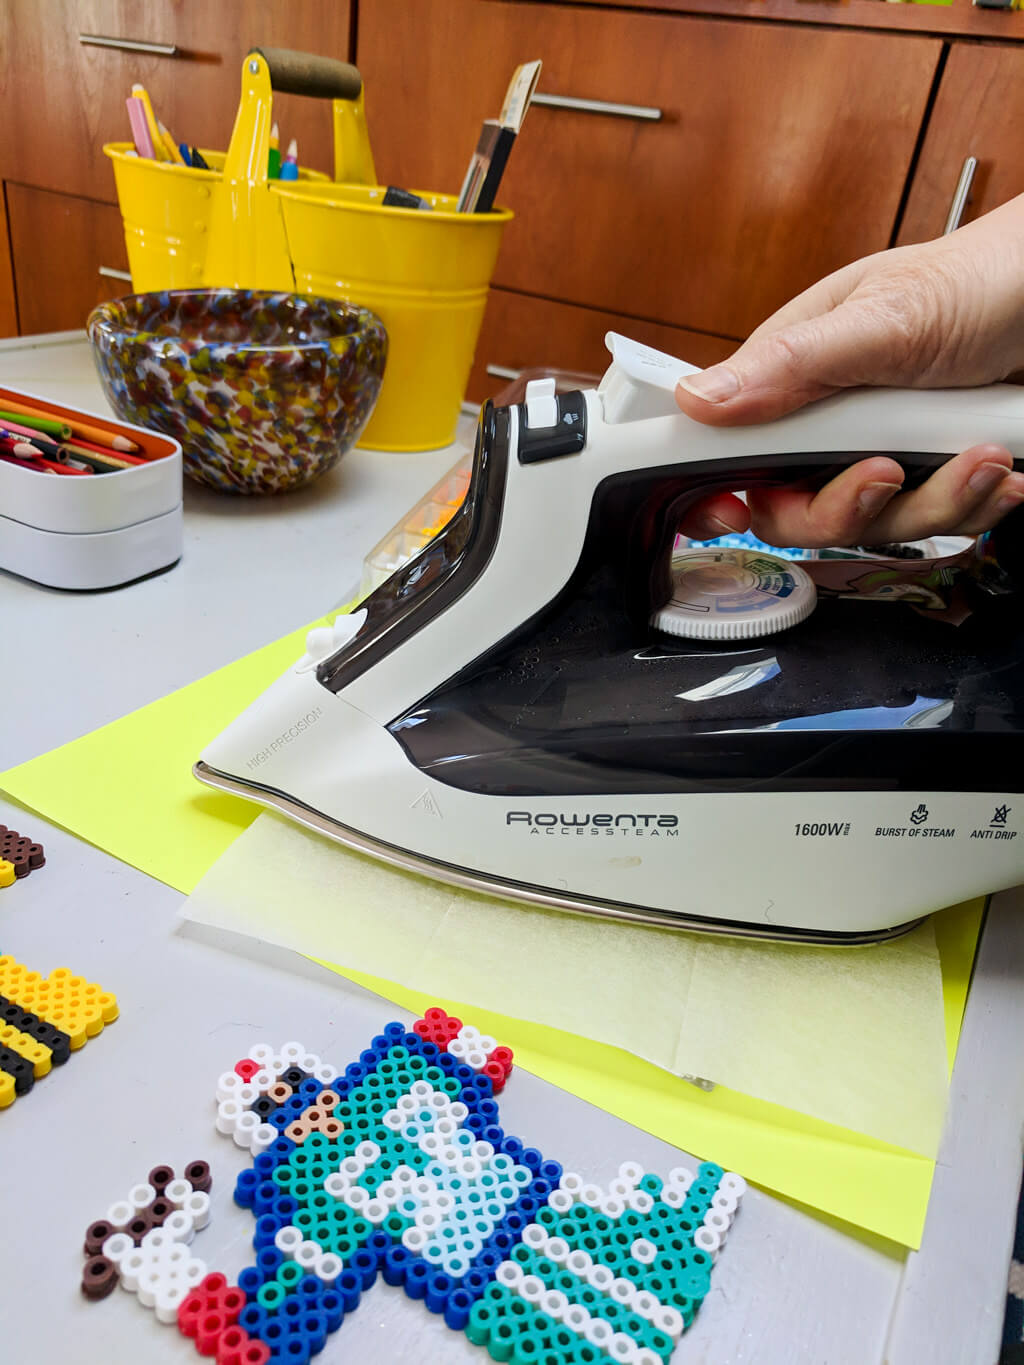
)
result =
(788, 1288)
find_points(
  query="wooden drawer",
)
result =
(58, 245)
(521, 332)
(781, 152)
(978, 112)
(195, 91)
(8, 311)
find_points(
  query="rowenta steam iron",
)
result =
(513, 710)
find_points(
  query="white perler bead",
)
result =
(643, 1251)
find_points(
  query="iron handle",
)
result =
(129, 45)
(960, 195)
(110, 273)
(644, 112)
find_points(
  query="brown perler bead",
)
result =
(197, 1173)
(139, 1226)
(98, 1278)
(20, 851)
(95, 1235)
(158, 1210)
(160, 1177)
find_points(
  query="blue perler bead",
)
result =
(476, 1123)
(394, 1032)
(333, 1309)
(294, 1105)
(540, 1189)
(489, 1259)
(309, 1089)
(552, 1171)
(475, 1283)
(283, 1207)
(310, 1291)
(253, 1318)
(447, 1062)
(483, 1085)
(264, 1165)
(269, 1261)
(349, 1287)
(513, 1147)
(315, 1326)
(342, 1087)
(395, 1264)
(464, 1074)
(355, 1073)
(457, 1310)
(380, 1043)
(364, 1264)
(503, 1241)
(249, 1281)
(411, 1040)
(263, 1197)
(416, 1278)
(532, 1158)
(280, 1119)
(370, 1058)
(489, 1109)
(266, 1230)
(429, 1050)
(245, 1188)
(379, 1245)
(439, 1289)
(496, 1136)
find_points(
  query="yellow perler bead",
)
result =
(6, 872)
(26, 1046)
(7, 1093)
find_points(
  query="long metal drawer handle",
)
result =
(129, 44)
(960, 195)
(645, 112)
(501, 372)
(112, 274)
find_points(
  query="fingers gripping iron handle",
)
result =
(303, 73)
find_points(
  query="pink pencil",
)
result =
(140, 128)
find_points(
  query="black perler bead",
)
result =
(294, 1076)
(18, 1067)
(48, 1034)
(264, 1106)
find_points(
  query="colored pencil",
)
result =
(27, 453)
(109, 440)
(36, 466)
(119, 458)
(52, 427)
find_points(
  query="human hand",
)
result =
(942, 314)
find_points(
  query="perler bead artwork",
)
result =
(18, 856)
(44, 1020)
(398, 1167)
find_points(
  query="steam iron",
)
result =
(503, 714)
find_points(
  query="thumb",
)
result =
(779, 371)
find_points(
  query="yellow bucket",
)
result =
(424, 273)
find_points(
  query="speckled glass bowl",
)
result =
(264, 391)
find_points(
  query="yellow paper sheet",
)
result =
(128, 789)
(852, 1036)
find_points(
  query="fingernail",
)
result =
(874, 497)
(718, 527)
(1008, 503)
(714, 385)
(986, 477)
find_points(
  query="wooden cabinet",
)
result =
(780, 152)
(64, 97)
(978, 112)
(8, 311)
(63, 248)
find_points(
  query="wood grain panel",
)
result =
(8, 310)
(782, 153)
(83, 88)
(58, 243)
(978, 113)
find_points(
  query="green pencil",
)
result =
(59, 430)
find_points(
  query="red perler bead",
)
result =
(496, 1075)
(246, 1068)
(190, 1310)
(209, 1330)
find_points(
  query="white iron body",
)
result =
(822, 865)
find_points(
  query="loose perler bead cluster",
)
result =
(18, 855)
(42, 1021)
(398, 1167)
(143, 1241)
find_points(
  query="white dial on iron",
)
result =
(734, 595)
